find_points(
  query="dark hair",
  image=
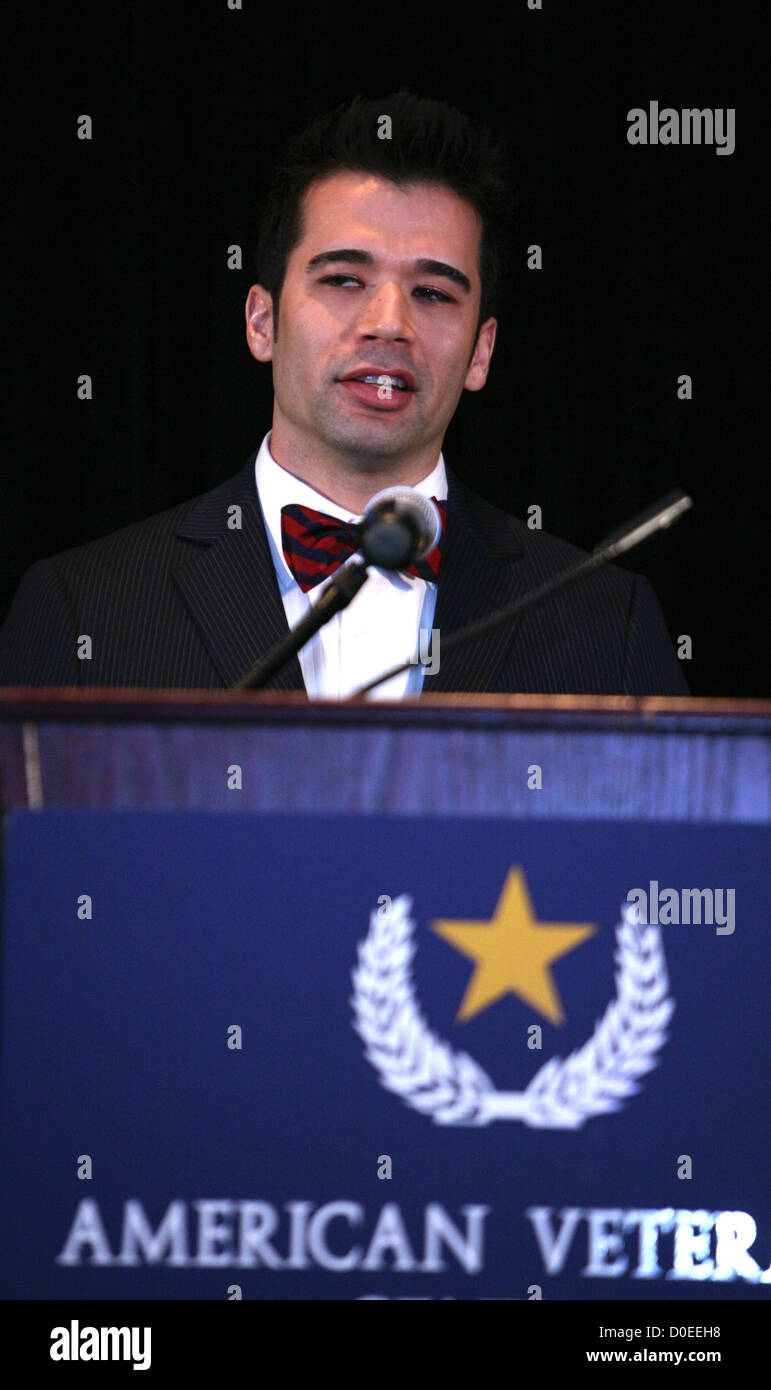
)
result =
(431, 142)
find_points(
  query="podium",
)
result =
(455, 998)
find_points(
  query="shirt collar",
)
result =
(276, 488)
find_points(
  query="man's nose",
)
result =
(387, 314)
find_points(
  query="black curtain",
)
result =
(651, 269)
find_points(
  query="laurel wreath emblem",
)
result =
(454, 1090)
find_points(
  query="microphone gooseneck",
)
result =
(654, 518)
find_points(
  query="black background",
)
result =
(652, 268)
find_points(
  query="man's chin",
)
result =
(377, 439)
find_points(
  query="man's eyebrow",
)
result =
(350, 256)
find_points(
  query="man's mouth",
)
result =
(385, 391)
(382, 379)
(395, 378)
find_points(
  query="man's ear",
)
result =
(479, 366)
(259, 323)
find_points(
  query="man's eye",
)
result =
(439, 298)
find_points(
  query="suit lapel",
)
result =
(229, 585)
(478, 574)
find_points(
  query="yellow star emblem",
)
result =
(512, 952)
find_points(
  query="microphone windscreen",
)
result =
(406, 501)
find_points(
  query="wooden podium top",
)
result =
(649, 758)
(68, 703)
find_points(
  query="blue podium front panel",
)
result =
(383, 1057)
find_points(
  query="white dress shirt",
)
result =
(382, 624)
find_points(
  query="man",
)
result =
(379, 257)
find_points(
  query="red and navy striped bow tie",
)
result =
(316, 544)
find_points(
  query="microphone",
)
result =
(399, 527)
(656, 517)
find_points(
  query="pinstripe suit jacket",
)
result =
(182, 600)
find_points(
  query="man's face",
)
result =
(378, 312)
